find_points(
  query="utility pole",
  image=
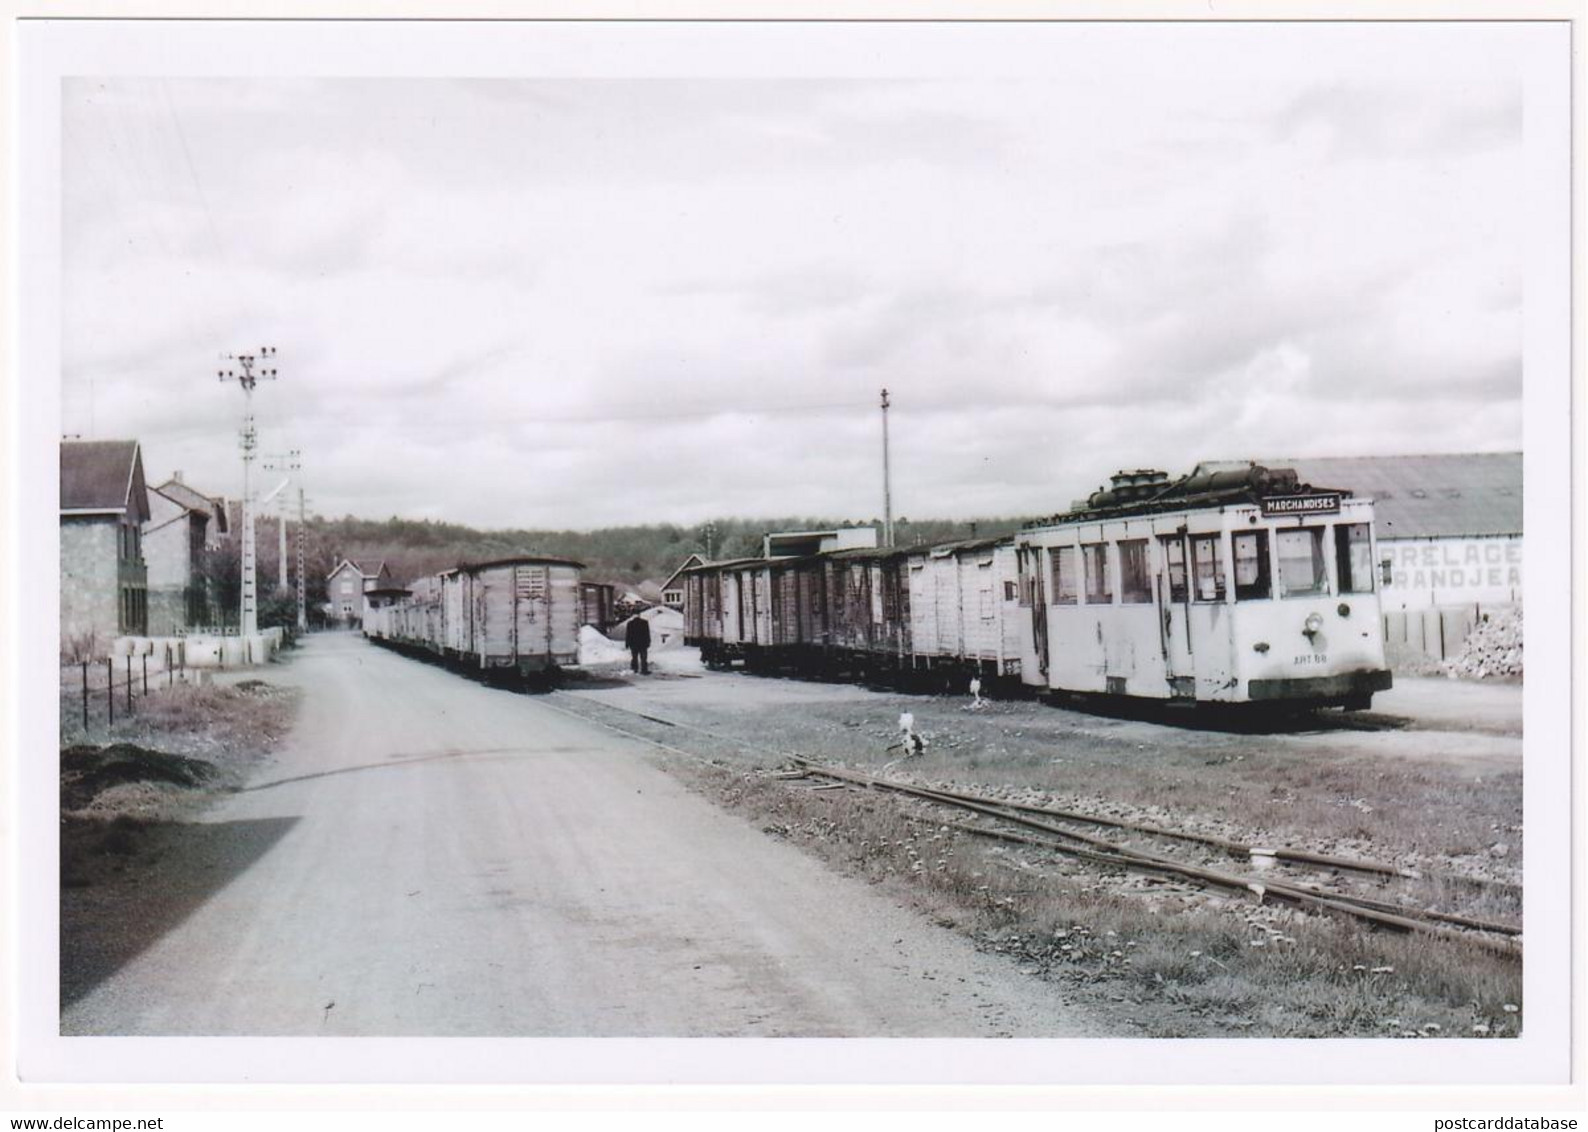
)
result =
(288, 463)
(711, 537)
(303, 611)
(247, 377)
(887, 484)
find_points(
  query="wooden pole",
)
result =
(129, 683)
(85, 695)
(146, 674)
(110, 688)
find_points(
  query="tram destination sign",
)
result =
(1326, 503)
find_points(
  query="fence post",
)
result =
(85, 695)
(146, 674)
(110, 689)
(170, 675)
(129, 683)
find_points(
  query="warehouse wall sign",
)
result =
(1452, 571)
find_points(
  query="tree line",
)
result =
(413, 548)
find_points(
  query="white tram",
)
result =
(1222, 587)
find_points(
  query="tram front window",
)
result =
(1353, 558)
(1301, 564)
(1251, 565)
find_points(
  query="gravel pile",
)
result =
(1493, 648)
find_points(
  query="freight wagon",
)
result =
(515, 617)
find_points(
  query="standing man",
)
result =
(637, 636)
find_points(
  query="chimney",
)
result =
(176, 476)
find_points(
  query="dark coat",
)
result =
(638, 633)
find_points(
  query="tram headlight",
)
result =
(1312, 624)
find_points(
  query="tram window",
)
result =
(1135, 584)
(1064, 580)
(1174, 556)
(1301, 564)
(1207, 560)
(1251, 565)
(1353, 558)
(1098, 590)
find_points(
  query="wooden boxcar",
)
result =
(522, 614)
(964, 609)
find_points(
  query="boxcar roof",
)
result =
(726, 563)
(963, 544)
(521, 560)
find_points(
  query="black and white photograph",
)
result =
(707, 534)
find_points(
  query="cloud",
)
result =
(569, 303)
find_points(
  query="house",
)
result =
(104, 580)
(346, 586)
(183, 526)
(673, 588)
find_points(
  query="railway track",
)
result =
(1040, 827)
(1490, 934)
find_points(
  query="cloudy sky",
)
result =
(582, 302)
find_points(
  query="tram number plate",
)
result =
(1313, 658)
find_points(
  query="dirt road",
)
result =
(428, 856)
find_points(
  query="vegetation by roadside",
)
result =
(123, 783)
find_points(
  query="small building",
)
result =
(104, 579)
(793, 544)
(673, 588)
(184, 525)
(346, 585)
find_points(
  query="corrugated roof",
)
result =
(1443, 496)
(103, 475)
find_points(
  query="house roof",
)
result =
(378, 569)
(102, 476)
(1471, 493)
(182, 495)
(691, 561)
